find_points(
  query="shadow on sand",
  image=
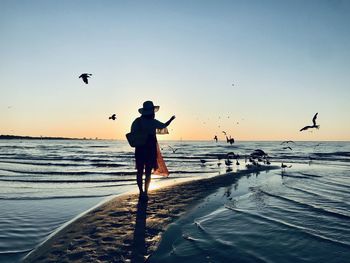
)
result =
(139, 250)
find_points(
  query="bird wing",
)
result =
(314, 119)
(305, 128)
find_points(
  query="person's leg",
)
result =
(139, 177)
(148, 172)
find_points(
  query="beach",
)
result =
(126, 229)
(76, 201)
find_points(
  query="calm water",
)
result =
(44, 184)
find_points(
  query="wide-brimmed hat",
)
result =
(148, 108)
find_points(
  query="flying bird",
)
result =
(85, 77)
(287, 142)
(113, 117)
(314, 124)
(285, 148)
(224, 132)
(171, 148)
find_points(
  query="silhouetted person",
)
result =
(146, 155)
(314, 124)
(113, 117)
(85, 77)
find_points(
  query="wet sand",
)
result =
(125, 229)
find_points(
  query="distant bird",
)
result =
(228, 162)
(85, 77)
(171, 148)
(287, 142)
(203, 161)
(233, 84)
(230, 155)
(218, 164)
(224, 132)
(258, 153)
(283, 166)
(113, 117)
(285, 148)
(216, 138)
(314, 124)
(230, 140)
(237, 162)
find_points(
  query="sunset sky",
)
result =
(286, 59)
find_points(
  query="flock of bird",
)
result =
(254, 158)
(85, 77)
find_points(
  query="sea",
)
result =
(300, 213)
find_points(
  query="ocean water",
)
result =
(299, 214)
(271, 217)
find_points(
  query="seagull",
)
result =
(203, 161)
(314, 124)
(85, 77)
(228, 162)
(283, 166)
(287, 142)
(285, 148)
(224, 132)
(113, 117)
(174, 150)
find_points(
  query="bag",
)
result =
(136, 139)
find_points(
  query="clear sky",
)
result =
(287, 60)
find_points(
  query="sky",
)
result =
(286, 60)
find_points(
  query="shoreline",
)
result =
(124, 229)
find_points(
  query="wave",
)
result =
(53, 197)
(304, 230)
(65, 181)
(10, 252)
(96, 172)
(309, 206)
(45, 164)
(70, 173)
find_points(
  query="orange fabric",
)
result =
(162, 169)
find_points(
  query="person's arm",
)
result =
(170, 120)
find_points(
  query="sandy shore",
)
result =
(128, 230)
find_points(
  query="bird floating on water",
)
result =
(113, 117)
(311, 126)
(85, 77)
(283, 166)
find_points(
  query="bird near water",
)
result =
(85, 77)
(311, 126)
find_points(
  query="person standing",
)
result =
(146, 155)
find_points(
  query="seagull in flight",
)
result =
(314, 124)
(287, 142)
(288, 147)
(171, 148)
(113, 117)
(85, 77)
